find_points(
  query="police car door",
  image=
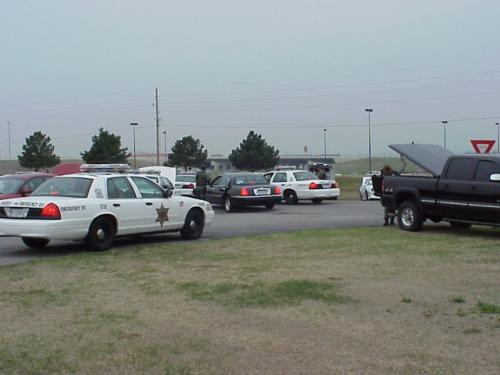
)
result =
(127, 207)
(161, 214)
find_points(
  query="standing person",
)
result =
(389, 215)
(201, 183)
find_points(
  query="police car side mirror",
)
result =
(167, 193)
(495, 177)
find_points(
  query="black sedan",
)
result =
(242, 189)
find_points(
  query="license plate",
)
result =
(327, 186)
(17, 212)
(262, 191)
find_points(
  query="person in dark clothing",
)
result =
(201, 183)
(389, 215)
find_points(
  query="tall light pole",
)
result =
(134, 124)
(444, 122)
(8, 125)
(369, 110)
(165, 136)
(324, 142)
(498, 137)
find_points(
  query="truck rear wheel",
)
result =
(410, 217)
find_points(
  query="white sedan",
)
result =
(366, 189)
(96, 208)
(303, 185)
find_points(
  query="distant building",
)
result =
(221, 164)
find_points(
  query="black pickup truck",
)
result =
(465, 191)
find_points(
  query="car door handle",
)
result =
(116, 204)
(149, 203)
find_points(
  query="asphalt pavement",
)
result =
(250, 221)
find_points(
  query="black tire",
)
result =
(35, 243)
(101, 234)
(409, 216)
(290, 197)
(228, 205)
(335, 198)
(269, 206)
(193, 225)
(317, 200)
(459, 225)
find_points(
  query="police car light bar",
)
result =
(117, 168)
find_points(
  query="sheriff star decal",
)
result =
(162, 215)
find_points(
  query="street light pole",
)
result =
(369, 110)
(324, 141)
(498, 137)
(134, 124)
(165, 136)
(10, 155)
(444, 122)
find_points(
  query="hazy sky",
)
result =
(285, 68)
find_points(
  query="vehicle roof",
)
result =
(290, 170)
(28, 175)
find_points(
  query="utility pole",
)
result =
(134, 124)
(369, 111)
(157, 130)
(165, 135)
(324, 143)
(498, 136)
(8, 125)
(444, 122)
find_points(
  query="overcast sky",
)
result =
(284, 68)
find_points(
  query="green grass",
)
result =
(289, 292)
(488, 308)
(308, 299)
(360, 166)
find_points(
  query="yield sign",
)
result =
(482, 146)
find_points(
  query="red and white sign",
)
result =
(482, 146)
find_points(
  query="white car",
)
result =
(186, 183)
(366, 189)
(96, 208)
(303, 185)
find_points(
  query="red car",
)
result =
(21, 184)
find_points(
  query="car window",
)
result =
(75, 187)
(485, 169)
(460, 169)
(33, 183)
(268, 176)
(224, 181)
(148, 188)
(185, 178)
(216, 180)
(166, 183)
(120, 188)
(10, 185)
(304, 176)
(249, 179)
(279, 177)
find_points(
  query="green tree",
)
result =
(38, 152)
(254, 154)
(187, 153)
(106, 148)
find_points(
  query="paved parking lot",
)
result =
(283, 218)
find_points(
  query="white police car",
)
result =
(303, 185)
(96, 208)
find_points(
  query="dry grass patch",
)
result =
(371, 301)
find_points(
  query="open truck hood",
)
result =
(430, 158)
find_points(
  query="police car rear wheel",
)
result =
(35, 243)
(193, 225)
(290, 197)
(228, 206)
(101, 234)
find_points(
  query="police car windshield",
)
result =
(10, 185)
(75, 187)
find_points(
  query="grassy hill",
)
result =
(360, 166)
